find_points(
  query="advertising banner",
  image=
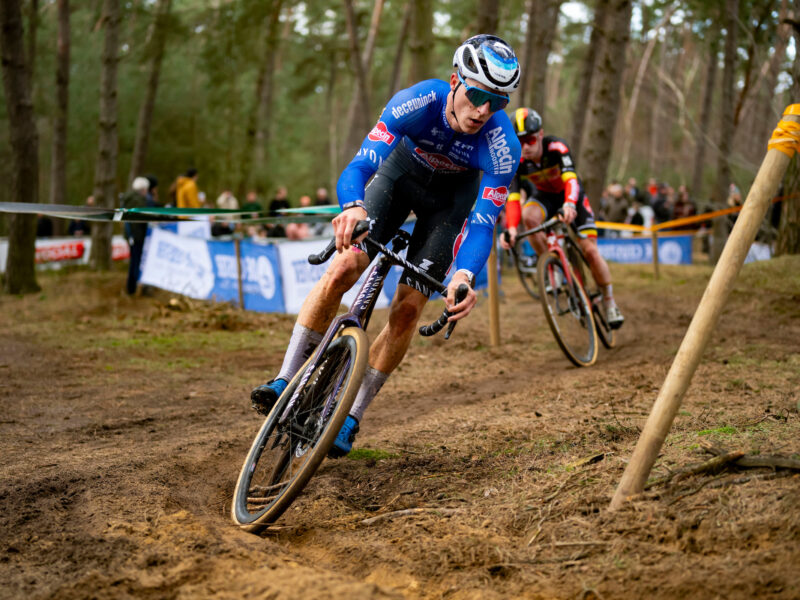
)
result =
(673, 250)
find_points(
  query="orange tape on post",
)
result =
(786, 137)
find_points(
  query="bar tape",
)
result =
(786, 137)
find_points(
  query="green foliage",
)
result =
(370, 454)
(209, 74)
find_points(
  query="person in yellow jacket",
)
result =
(186, 195)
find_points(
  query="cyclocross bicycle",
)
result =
(572, 302)
(302, 426)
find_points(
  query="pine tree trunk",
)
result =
(359, 113)
(656, 113)
(158, 38)
(605, 101)
(727, 127)
(420, 45)
(256, 126)
(526, 57)
(705, 120)
(788, 241)
(105, 173)
(20, 276)
(596, 43)
(637, 87)
(546, 23)
(402, 39)
(58, 170)
(33, 28)
(488, 16)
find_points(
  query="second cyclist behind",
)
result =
(545, 182)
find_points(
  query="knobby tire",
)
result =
(567, 311)
(296, 452)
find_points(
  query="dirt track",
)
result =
(124, 424)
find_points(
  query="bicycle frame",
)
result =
(361, 310)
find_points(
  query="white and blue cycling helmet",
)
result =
(489, 60)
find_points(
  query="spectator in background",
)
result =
(617, 204)
(277, 204)
(322, 198)
(44, 226)
(79, 227)
(684, 207)
(252, 203)
(734, 200)
(227, 201)
(652, 191)
(186, 193)
(632, 191)
(300, 231)
(135, 232)
(152, 191)
(663, 203)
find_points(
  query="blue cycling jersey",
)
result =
(417, 118)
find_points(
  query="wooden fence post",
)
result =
(654, 233)
(494, 300)
(705, 319)
(237, 246)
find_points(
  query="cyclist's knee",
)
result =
(532, 217)
(344, 271)
(406, 308)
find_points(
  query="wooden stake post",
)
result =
(494, 300)
(705, 319)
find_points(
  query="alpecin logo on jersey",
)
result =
(379, 133)
(439, 161)
(496, 195)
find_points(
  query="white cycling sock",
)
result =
(303, 343)
(370, 386)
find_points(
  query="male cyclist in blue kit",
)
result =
(427, 152)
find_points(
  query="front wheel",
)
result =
(289, 447)
(567, 310)
(525, 263)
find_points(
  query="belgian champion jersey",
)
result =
(416, 118)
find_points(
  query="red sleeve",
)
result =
(513, 211)
(571, 191)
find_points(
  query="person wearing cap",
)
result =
(135, 233)
(438, 148)
(546, 182)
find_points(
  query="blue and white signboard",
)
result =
(675, 250)
(299, 275)
(261, 282)
(178, 264)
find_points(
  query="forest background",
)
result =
(261, 93)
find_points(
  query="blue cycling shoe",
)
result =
(265, 396)
(344, 441)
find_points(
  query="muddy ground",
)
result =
(124, 423)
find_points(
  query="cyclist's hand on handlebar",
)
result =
(343, 225)
(568, 213)
(508, 238)
(463, 308)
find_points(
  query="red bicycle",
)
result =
(572, 302)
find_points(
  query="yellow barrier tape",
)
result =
(681, 221)
(786, 137)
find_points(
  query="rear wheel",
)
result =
(287, 452)
(567, 310)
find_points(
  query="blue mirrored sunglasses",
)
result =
(479, 97)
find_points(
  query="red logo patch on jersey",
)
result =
(439, 161)
(459, 239)
(379, 133)
(560, 146)
(496, 195)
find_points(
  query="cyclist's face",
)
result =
(469, 118)
(532, 146)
